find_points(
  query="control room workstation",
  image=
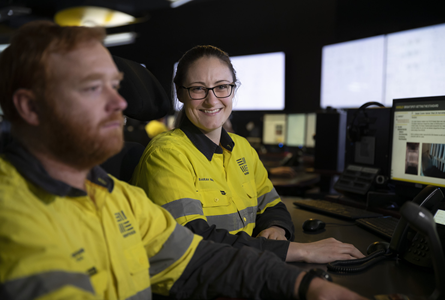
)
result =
(368, 168)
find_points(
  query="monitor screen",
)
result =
(262, 78)
(311, 124)
(418, 141)
(274, 129)
(296, 130)
(368, 138)
(353, 73)
(415, 63)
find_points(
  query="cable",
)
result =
(352, 132)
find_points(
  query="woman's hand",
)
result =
(324, 251)
(273, 233)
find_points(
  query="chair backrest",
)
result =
(5, 133)
(147, 100)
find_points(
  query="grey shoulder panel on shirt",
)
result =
(184, 207)
(37, 285)
(267, 198)
(173, 249)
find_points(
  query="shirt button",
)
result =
(216, 199)
(245, 220)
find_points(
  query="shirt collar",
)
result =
(203, 143)
(31, 168)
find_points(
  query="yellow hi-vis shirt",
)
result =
(227, 189)
(56, 246)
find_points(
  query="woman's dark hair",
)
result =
(189, 58)
(196, 53)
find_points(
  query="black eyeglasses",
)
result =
(201, 92)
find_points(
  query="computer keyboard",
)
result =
(335, 209)
(383, 226)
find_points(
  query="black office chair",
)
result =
(147, 101)
(5, 133)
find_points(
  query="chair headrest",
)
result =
(146, 98)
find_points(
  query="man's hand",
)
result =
(321, 252)
(324, 290)
(273, 233)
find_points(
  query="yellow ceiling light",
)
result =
(92, 16)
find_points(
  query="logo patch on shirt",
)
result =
(92, 271)
(125, 226)
(242, 164)
(78, 255)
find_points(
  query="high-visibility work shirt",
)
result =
(57, 241)
(225, 185)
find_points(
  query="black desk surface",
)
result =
(386, 277)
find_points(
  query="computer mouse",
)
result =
(313, 225)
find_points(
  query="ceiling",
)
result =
(14, 13)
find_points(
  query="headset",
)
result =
(355, 132)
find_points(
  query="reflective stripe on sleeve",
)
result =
(173, 249)
(142, 295)
(234, 221)
(267, 198)
(37, 285)
(184, 207)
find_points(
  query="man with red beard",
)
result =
(68, 230)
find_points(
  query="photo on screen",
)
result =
(412, 158)
(433, 160)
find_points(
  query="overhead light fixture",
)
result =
(176, 3)
(13, 11)
(118, 39)
(110, 40)
(3, 47)
(92, 16)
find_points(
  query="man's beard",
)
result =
(78, 144)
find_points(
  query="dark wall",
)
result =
(298, 27)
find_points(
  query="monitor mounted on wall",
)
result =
(262, 78)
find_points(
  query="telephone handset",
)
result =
(410, 244)
(407, 243)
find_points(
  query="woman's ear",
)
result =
(26, 106)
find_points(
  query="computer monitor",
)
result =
(296, 130)
(274, 129)
(262, 78)
(415, 63)
(311, 124)
(368, 138)
(418, 144)
(352, 73)
(300, 131)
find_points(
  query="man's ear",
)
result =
(25, 104)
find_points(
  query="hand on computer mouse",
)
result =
(324, 251)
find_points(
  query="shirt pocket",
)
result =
(214, 198)
(250, 189)
(136, 258)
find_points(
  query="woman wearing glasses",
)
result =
(212, 181)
